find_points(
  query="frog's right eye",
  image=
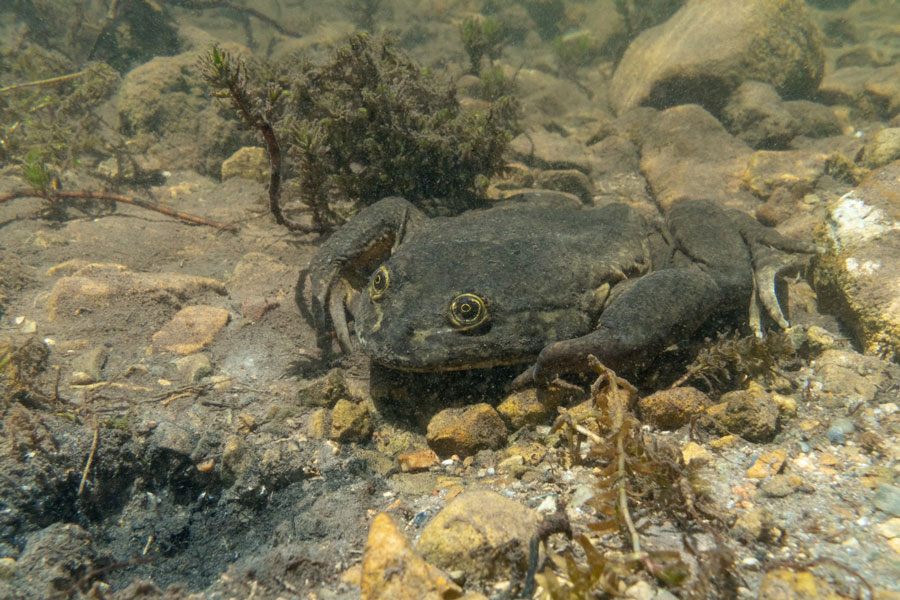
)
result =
(379, 284)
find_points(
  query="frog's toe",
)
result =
(338, 301)
(770, 266)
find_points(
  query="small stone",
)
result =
(249, 162)
(527, 408)
(724, 442)
(246, 424)
(194, 367)
(787, 406)
(235, 457)
(749, 525)
(89, 364)
(670, 409)
(887, 498)
(640, 591)
(787, 584)
(768, 464)
(889, 529)
(470, 531)
(779, 486)
(750, 413)
(324, 391)
(694, 451)
(884, 147)
(392, 570)
(191, 329)
(465, 431)
(417, 460)
(7, 568)
(350, 422)
(319, 424)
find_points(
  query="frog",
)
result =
(539, 282)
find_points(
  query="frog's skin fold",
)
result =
(540, 281)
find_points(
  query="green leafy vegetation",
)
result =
(366, 123)
(481, 38)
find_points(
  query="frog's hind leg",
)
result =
(653, 313)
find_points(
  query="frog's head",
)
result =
(465, 306)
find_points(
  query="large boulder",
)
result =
(859, 275)
(709, 47)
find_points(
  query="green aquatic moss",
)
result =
(366, 123)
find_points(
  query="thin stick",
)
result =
(87, 466)
(201, 4)
(28, 84)
(88, 195)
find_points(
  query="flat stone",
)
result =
(768, 464)
(392, 570)
(750, 413)
(102, 288)
(550, 150)
(709, 47)
(324, 391)
(889, 529)
(858, 277)
(468, 532)
(887, 498)
(194, 367)
(688, 154)
(191, 329)
(417, 460)
(694, 451)
(465, 431)
(788, 584)
(873, 91)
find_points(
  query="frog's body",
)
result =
(535, 283)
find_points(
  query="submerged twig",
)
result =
(28, 84)
(88, 195)
(90, 459)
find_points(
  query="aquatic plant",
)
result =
(365, 124)
(635, 475)
(481, 37)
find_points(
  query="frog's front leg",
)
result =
(656, 311)
(343, 262)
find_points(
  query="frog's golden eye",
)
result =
(379, 284)
(468, 311)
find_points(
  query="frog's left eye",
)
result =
(467, 311)
(379, 284)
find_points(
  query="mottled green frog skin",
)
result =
(536, 282)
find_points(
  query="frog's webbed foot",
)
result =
(328, 287)
(774, 257)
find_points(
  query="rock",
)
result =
(259, 283)
(194, 367)
(88, 365)
(105, 290)
(749, 525)
(839, 429)
(391, 569)
(709, 47)
(324, 391)
(350, 422)
(417, 460)
(750, 413)
(779, 486)
(465, 431)
(191, 329)
(672, 408)
(859, 274)
(768, 464)
(694, 451)
(788, 584)
(756, 114)
(887, 498)
(319, 424)
(852, 377)
(687, 154)
(161, 102)
(528, 408)
(550, 150)
(572, 181)
(873, 91)
(798, 171)
(482, 533)
(883, 148)
(55, 559)
(248, 162)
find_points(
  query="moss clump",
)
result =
(365, 124)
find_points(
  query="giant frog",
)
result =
(539, 282)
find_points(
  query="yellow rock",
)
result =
(391, 569)
(726, 441)
(768, 464)
(525, 408)
(784, 584)
(191, 329)
(350, 422)
(476, 525)
(465, 431)
(670, 409)
(694, 451)
(249, 162)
